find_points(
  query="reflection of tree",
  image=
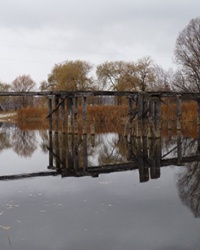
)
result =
(189, 187)
(4, 141)
(5, 134)
(24, 142)
(45, 141)
(109, 153)
(188, 146)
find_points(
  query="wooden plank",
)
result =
(184, 95)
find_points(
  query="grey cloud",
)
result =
(85, 14)
(90, 30)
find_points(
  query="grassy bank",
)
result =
(107, 118)
(110, 113)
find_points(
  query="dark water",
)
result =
(55, 195)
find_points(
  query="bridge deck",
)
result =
(185, 95)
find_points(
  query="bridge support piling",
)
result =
(57, 152)
(155, 116)
(56, 114)
(198, 112)
(155, 156)
(179, 147)
(198, 125)
(69, 115)
(64, 149)
(63, 116)
(130, 109)
(178, 113)
(50, 150)
(50, 112)
(75, 114)
(84, 115)
(85, 154)
(142, 106)
(150, 120)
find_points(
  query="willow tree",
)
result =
(71, 75)
(126, 76)
(187, 55)
(117, 75)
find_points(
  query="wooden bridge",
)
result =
(143, 106)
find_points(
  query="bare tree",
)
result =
(5, 101)
(187, 55)
(163, 79)
(23, 83)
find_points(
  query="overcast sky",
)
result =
(35, 35)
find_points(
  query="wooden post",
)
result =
(57, 152)
(85, 160)
(141, 155)
(57, 114)
(75, 152)
(63, 117)
(198, 125)
(69, 152)
(198, 112)
(178, 114)
(130, 110)
(139, 114)
(179, 147)
(158, 116)
(198, 141)
(140, 107)
(50, 151)
(49, 112)
(155, 115)
(145, 147)
(155, 156)
(75, 114)
(64, 148)
(69, 116)
(143, 170)
(150, 122)
(84, 115)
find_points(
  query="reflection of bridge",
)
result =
(68, 159)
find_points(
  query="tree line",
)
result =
(142, 75)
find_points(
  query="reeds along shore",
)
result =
(113, 118)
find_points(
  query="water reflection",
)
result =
(79, 156)
(189, 187)
(92, 155)
(24, 143)
(112, 209)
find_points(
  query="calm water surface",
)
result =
(117, 210)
